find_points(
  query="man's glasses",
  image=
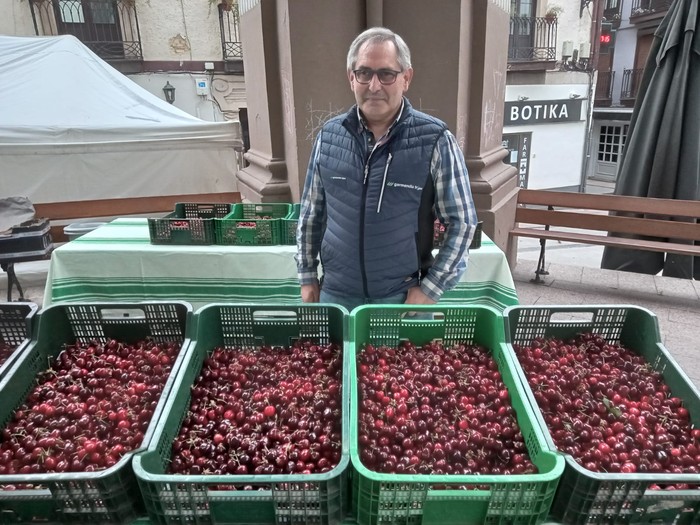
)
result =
(386, 76)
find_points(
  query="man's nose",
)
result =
(374, 84)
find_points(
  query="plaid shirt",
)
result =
(454, 207)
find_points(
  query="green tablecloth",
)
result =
(117, 262)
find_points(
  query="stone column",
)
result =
(294, 58)
(494, 184)
(265, 178)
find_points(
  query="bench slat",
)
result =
(610, 223)
(624, 203)
(605, 240)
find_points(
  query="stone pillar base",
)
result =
(264, 179)
(495, 188)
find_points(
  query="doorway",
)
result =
(610, 143)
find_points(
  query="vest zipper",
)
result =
(420, 266)
(363, 271)
(381, 194)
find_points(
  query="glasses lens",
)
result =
(364, 76)
(386, 76)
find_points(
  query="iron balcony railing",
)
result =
(229, 22)
(532, 39)
(646, 7)
(110, 28)
(604, 86)
(631, 79)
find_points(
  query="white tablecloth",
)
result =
(117, 262)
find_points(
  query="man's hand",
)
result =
(416, 296)
(310, 293)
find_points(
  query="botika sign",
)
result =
(541, 111)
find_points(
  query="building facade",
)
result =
(550, 82)
(192, 45)
(627, 36)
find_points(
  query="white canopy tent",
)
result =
(73, 128)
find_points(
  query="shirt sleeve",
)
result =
(454, 206)
(312, 220)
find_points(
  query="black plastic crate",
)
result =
(29, 239)
(110, 495)
(15, 331)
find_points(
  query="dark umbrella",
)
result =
(662, 153)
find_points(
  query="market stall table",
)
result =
(117, 262)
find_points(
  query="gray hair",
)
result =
(377, 35)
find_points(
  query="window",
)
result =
(611, 143)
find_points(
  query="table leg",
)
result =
(12, 280)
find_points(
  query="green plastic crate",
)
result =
(601, 498)
(292, 499)
(289, 225)
(246, 225)
(15, 330)
(190, 223)
(111, 495)
(379, 498)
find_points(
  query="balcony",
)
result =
(532, 44)
(631, 79)
(232, 49)
(109, 28)
(604, 88)
(613, 16)
(644, 10)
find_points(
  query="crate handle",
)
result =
(122, 313)
(568, 317)
(272, 315)
(412, 316)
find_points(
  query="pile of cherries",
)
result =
(265, 410)
(608, 408)
(436, 409)
(5, 351)
(88, 409)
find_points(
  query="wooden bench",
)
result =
(69, 211)
(665, 225)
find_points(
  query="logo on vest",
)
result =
(400, 185)
(338, 178)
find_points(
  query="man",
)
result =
(377, 177)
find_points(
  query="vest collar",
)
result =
(357, 122)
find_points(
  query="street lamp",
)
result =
(169, 91)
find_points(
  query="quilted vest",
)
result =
(379, 205)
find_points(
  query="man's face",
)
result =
(379, 102)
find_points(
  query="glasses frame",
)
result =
(376, 72)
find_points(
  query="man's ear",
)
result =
(351, 78)
(407, 77)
